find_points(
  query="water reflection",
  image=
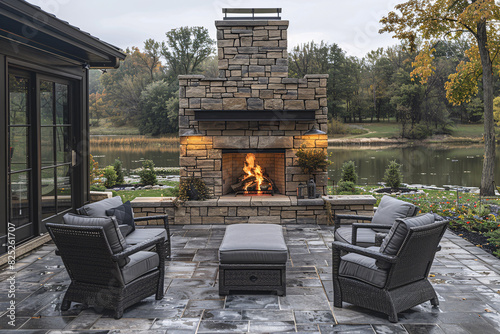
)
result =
(131, 156)
(430, 164)
(425, 164)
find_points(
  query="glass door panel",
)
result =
(55, 148)
(19, 162)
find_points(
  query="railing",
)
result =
(251, 11)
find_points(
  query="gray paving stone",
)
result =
(207, 326)
(466, 280)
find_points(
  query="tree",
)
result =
(123, 87)
(151, 56)
(185, 49)
(159, 109)
(433, 20)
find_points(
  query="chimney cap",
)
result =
(251, 11)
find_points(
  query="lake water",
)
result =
(430, 165)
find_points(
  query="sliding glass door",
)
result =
(40, 150)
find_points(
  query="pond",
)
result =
(422, 164)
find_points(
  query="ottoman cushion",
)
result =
(253, 243)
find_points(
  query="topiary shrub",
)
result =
(349, 172)
(110, 175)
(346, 187)
(311, 160)
(118, 166)
(147, 174)
(392, 175)
(193, 189)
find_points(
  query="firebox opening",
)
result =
(253, 172)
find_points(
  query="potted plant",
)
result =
(311, 160)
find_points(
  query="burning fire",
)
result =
(251, 169)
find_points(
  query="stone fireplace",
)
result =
(253, 107)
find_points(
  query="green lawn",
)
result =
(108, 128)
(468, 130)
(129, 195)
(393, 129)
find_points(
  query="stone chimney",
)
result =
(252, 49)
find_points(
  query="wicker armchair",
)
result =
(392, 278)
(372, 233)
(102, 276)
(132, 234)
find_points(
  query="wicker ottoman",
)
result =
(252, 257)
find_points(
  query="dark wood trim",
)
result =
(43, 22)
(35, 152)
(3, 147)
(28, 66)
(253, 150)
(254, 115)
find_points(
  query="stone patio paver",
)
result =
(465, 278)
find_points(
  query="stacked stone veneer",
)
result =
(252, 209)
(253, 64)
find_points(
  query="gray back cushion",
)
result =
(393, 241)
(110, 225)
(98, 209)
(391, 209)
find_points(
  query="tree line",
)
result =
(378, 87)
(442, 72)
(144, 91)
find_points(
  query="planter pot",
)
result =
(194, 195)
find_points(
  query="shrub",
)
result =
(118, 166)
(110, 175)
(419, 131)
(346, 187)
(349, 172)
(97, 187)
(147, 174)
(95, 173)
(310, 160)
(193, 189)
(392, 175)
(336, 127)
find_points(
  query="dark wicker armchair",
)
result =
(372, 233)
(104, 276)
(133, 235)
(392, 278)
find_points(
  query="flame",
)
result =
(251, 169)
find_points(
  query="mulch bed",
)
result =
(475, 238)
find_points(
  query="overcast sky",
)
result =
(353, 25)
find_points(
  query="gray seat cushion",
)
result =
(253, 243)
(390, 209)
(98, 209)
(141, 234)
(362, 268)
(365, 236)
(140, 263)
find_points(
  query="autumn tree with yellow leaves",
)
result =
(478, 21)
